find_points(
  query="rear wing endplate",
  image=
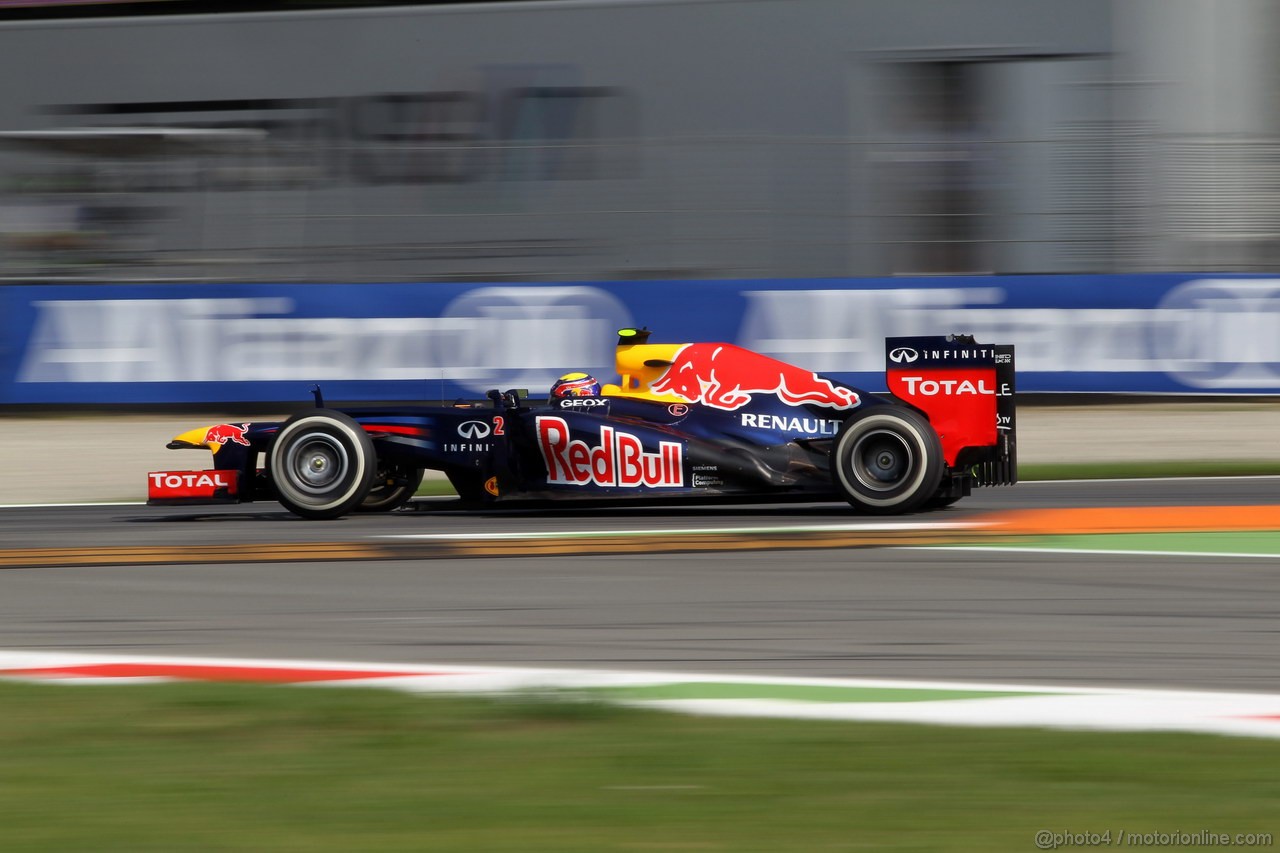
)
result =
(966, 389)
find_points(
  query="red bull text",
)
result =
(724, 376)
(618, 460)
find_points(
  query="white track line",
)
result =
(11, 659)
(1114, 709)
(70, 505)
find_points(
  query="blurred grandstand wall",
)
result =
(550, 141)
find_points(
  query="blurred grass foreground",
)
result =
(229, 767)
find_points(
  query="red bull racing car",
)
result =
(698, 420)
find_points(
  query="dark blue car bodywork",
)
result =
(617, 446)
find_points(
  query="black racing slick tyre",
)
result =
(392, 488)
(887, 460)
(322, 464)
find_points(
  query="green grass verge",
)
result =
(791, 692)
(432, 487)
(197, 767)
(1168, 468)
(1259, 542)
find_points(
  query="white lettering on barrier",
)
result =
(833, 331)
(1205, 333)
(489, 336)
(830, 331)
(1221, 333)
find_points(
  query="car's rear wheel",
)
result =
(322, 464)
(393, 486)
(887, 460)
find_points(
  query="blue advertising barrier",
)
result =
(269, 343)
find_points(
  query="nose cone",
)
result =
(194, 438)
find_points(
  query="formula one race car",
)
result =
(700, 420)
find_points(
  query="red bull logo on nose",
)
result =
(222, 433)
(724, 376)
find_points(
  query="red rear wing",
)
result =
(967, 391)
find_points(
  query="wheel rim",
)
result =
(882, 461)
(316, 463)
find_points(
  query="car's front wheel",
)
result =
(322, 464)
(887, 460)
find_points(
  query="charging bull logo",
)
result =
(724, 376)
(222, 433)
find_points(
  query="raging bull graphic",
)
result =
(724, 376)
(222, 433)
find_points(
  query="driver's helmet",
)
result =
(575, 385)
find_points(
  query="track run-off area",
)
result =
(1129, 604)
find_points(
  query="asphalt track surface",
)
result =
(862, 612)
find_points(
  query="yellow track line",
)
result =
(478, 547)
(134, 555)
